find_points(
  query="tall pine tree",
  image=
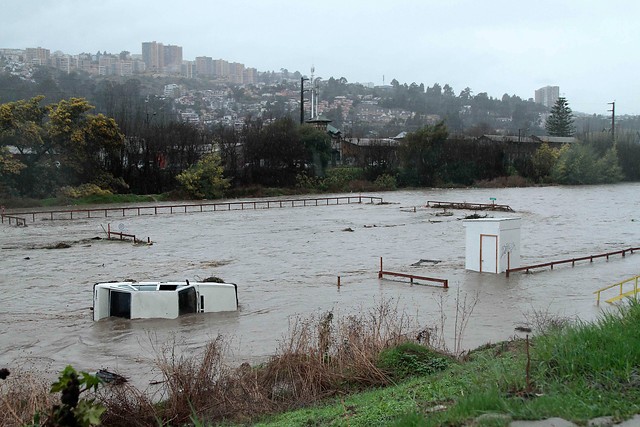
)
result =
(560, 122)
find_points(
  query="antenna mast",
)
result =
(313, 94)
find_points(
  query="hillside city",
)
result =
(210, 92)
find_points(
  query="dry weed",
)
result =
(543, 321)
(22, 395)
(321, 356)
(127, 406)
(463, 310)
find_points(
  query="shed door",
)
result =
(488, 253)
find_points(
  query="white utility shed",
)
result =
(492, 244)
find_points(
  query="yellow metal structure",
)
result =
(622, 293)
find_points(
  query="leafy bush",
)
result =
(204, 180)
(410, 359)
(84, 190)
(307, 182)
(338, 179)
(386, 182)
(579, 164)
(544, 159)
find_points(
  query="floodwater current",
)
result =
(286, 263)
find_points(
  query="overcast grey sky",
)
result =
(589, 48)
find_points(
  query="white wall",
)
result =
(507, 232)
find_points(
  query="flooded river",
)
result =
(286, 263)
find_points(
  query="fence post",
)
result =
(380, 272)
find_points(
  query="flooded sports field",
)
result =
(286, 262)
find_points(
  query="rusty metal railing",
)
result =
(468, 206)
(109, 212)
(411, 277)
(573, 261)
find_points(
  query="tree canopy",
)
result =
(560, 121)
(56, 145)
(421, 152)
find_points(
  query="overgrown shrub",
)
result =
(579, 164)
(504, 182)
(204, 180)
(410, 359)
(386, 182)
(338, 179)
(84, 190)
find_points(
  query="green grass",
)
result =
(578, 373)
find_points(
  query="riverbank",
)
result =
(552, 371)
(574, 372)
(240, 192)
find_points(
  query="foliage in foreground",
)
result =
(26, 403)
(578, 371)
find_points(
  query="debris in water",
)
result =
(348, 229)
(61, 245)
(213, 279)
(475, 216)
(425, 261)
(110, 377)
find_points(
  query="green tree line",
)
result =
(48, 149)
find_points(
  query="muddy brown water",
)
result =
(286, 263)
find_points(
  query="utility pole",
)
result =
(613, 120)
(302, 79)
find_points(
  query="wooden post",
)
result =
(380, 272)
(338, 281)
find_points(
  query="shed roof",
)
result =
(558, 139)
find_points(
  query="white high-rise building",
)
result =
(547, 95)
